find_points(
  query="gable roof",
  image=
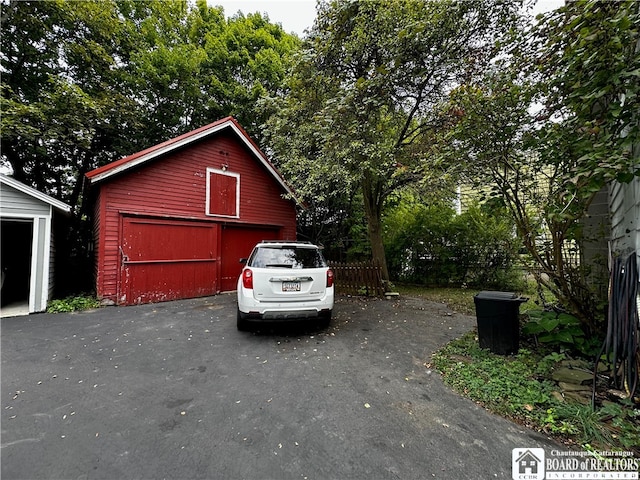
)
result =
(527, 454)
(32, 192)
(149, 154)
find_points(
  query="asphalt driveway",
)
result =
(173, 390)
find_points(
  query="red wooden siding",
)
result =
(176, 185)
(165, 260)
(173, 188)
(237, 243)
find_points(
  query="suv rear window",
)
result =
(286, 257)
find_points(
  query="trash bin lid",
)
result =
(491, 295)
(504, 296)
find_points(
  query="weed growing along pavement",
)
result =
(519, 387)
(73, 304)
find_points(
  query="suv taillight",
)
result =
(247, 278)
(329, 278)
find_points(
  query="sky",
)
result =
(296, 16)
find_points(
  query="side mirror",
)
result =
(243, 260)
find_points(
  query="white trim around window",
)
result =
(215, 171)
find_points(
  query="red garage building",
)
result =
(173, 220)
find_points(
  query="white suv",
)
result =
(285, 280)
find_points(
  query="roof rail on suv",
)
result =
(303, 242)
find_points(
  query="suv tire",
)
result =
(241, 322)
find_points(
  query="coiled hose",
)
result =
(621, 342)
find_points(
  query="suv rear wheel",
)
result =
(241, 322)
(324, 319)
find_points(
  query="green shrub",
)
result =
(432, 245)
(560, 330)
(72, 304)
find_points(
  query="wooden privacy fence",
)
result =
(358, 278)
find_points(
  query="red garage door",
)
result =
(166, 260)
(237, 243)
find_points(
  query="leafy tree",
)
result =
(580, 65)
(365, 89)
(193, 67)
(56, 79)
(335, 221)
(86, 82)
(258, 56)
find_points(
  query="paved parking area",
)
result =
(173, 390)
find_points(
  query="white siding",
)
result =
(16, 203)
(625, 218)
(625, 222)
(21, 202)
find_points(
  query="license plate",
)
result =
(290, 286)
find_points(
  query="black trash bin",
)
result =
(498, 324)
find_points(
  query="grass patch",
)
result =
(460, 299)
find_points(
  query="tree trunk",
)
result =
(373, 201)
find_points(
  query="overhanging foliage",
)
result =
(548, 127)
